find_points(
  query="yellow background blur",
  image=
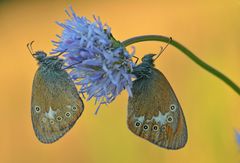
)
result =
(211, 29)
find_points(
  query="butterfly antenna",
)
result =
(29, 46)
(162, 49)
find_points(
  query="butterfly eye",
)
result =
(37, 109)
(173, 107)
(59, 118)
(155, 127)
(145, 127)
(74, 108)
(137, 124)
(169, 119)
(67, 114)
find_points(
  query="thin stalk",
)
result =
(188, 53)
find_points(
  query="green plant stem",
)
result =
(187, 52)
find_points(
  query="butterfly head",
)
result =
(39, 56)
(148, 59)
(144, 69)
(42, 57)
(50, 61)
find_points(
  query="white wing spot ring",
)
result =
(67, 114)
(37, 109)
(173, 107)
(145, 127)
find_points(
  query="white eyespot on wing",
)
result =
(155, 128)
(169, 119)
(163, 128)
(138, 121)
(161, 118)
(145, 127)
(59, 118)
(50, 114)
(51, 121)
(138, 124)
(68, 114)
(37, 109)
(173, 107)
(74, 108)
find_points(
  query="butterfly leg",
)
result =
(136, 58)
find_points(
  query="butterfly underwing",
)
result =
(55, 103)
(154, 112)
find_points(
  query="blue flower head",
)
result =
(100, 65)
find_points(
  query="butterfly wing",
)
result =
(155, 114)
(55, 105)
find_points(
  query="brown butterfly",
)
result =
(56, 105)
(154, 112)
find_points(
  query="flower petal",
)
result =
(101, 69)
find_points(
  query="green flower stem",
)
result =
(187, 52)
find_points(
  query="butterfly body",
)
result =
(55, 104)
(154, 112)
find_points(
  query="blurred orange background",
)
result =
(208, 28)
